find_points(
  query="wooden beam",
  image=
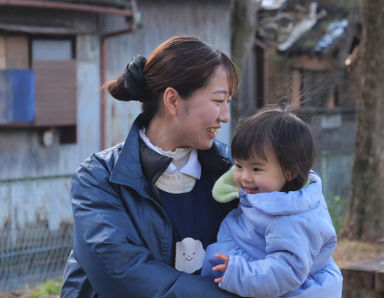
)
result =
(367, 274)
(67, 6)
(43, 30)
(3, 64)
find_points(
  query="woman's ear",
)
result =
(170, 100)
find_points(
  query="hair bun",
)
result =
(133, 80)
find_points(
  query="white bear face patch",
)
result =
(189, 255)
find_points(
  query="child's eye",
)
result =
(256, 169)
(238, 166)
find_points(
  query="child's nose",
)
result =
(246, 177)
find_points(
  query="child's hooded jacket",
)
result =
(280, 244)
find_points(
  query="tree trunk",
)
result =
(243, 35)
(365, 213)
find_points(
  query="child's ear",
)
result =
(291, 174)
(170, 100)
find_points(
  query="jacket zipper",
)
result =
(172, 233)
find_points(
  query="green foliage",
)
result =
(283, 60)
(48, 289)
(337, 210)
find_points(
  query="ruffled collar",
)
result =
(184, 160)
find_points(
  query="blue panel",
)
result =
(17, 96)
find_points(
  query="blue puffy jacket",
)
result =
(123, 240)
(280, 245)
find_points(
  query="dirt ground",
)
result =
(23, 294)
(347, 252)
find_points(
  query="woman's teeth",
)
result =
(213, 130)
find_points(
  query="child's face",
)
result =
(256, 175)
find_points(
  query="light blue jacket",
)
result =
(280, 245)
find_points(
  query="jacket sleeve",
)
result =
(112, 253)
(290, 247)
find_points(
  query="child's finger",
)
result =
(218, 280)
(220, 267)
(222, 257)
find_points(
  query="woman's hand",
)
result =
(221, 267)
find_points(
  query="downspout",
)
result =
(103, 73)
(262, 45)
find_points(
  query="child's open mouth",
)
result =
(251, 190)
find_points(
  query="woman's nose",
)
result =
(224, 113)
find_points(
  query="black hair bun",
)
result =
(133, 80)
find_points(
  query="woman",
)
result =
(143, 210)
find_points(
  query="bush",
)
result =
(337, 210)
(48, 289)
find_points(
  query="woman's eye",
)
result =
(219, 101)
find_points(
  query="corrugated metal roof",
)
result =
(272, 4)
(323, 37)
(314, 31)
(334, 31)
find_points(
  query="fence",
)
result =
(35, 231)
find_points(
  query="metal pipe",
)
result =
(103, 103)
(67, 6)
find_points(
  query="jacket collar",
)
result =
(154, 164)
(281, 203)
(127, 170)
(137, 164)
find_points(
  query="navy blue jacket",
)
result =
(123, 239)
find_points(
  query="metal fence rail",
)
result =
(35, 230)
(37, 255)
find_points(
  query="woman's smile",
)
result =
(213, 131)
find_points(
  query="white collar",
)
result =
(184, 161)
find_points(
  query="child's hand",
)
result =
(221, 267)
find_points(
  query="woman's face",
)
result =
(200, 116)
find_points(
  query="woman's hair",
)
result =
(281, 132)
(184, 63)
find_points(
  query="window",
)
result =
(316, 88)
(45, 67)
(54, 65)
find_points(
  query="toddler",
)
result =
(279, 241)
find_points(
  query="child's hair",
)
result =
(283, 133)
